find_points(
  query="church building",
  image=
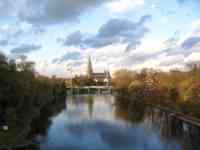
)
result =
(100, 77)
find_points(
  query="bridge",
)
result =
(89, 90)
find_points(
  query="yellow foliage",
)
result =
(122, 79)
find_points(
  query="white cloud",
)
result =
(60, 70)
(152, 53)
(121, 6)
(161, 62)
(151, 44)
(166, 61)
(194, 31)
(194, 57)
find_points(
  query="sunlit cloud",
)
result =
(121, 6)
(194, 57)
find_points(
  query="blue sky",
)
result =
(131, 34)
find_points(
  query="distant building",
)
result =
(100, 77)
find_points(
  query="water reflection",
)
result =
(98, 123)
(103, 123)
(172, 128)
(24, 127)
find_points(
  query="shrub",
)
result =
(193, 93)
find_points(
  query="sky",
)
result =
(132, 34)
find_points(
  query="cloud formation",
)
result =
(186, 44)
(6, 7)
(43, 21)
(191, 42)
(183, 1)
(74, 39)
(115, 31)
(68, 56)
(3, 42)
(171, 60)
(25, 48)
(9, 34)
(55, 11)
(124, 5)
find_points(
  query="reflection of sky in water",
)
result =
(90, 124)
(87, 108)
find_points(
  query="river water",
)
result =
(100, 123)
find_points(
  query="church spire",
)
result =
(89, 67)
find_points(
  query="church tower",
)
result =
(89, 68)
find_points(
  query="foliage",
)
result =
(193, 93)
(23, 93)
(82, 81)
(122, 80)
(136, 88)
(175, 88)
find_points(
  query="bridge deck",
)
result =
(92, 87)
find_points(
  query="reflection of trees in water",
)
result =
(121, 112)
(168, 126)
(80, 105)
(137, 112)
(90, 102)
(23, 131)
(41, 124)
(172, 128)
(132, 111)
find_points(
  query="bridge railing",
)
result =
(89, 90)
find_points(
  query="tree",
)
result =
(193, 93)
(122, 79)
(136, 89)
(3, 61)
(173, 93)
(13, 65)
(26, 66)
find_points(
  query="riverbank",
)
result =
(18, 134)
(178, 114)
(176, 90)
(23, 94)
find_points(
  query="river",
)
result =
(100, 123)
